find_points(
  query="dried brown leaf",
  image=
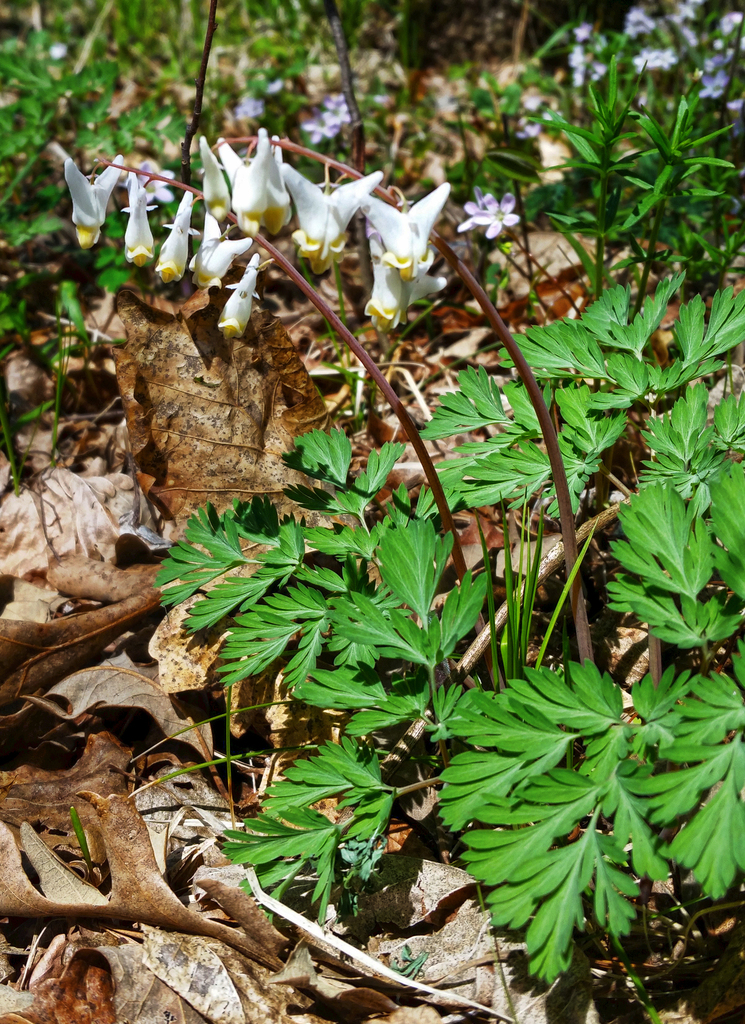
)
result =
(138, 891)
(35, 655)
(124, 688)
(209, 418)
(83, 577)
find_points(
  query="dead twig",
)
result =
(192, 127)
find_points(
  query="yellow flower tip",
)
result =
(204, 281)
(249, 223)
(274, 218)
(319, 265)
(168, 272)
(231, 328)
(337, 246)
(87, 236)
(218, 210)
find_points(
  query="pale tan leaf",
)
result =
(56, 880)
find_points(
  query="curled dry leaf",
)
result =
(209, 418)
(36, 655)
(84, 994)
(67, 514)
(124, 688)
(56, 880)
(138, 891)
(32, 794)
(349, 1001)
(84, 577)
(23, 601)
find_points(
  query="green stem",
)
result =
(228, 758)
(637, 981)
(340, 290)
(651, 245)
(8, 437)
(600, 244)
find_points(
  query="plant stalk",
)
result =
(651, 246)
(192, 127)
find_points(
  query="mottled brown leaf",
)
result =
(209, 418)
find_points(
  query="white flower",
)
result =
(214, 256)
(583, 32)
(175, 250)
(391, 296)
(655, 60)
(259, 193)
(487, 213)
(406, 235)
(237, 310)
(89, 200)
(138, 238)
(729, 22)
(638, 22)
(58, 51)
(323, 218)
(274, 87)
(214, 187)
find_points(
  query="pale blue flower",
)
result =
(274, 87)
(729, 22)
(249, 108)
(487, 212)
(655, 59)
(714, 85)
(638, 22)
(583, 32)
(527, 129)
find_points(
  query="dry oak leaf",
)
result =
(219, 983)
(111, 686)
(138, 890)
(31, 794)
(83, 995)
(34, 655)
(209, 418)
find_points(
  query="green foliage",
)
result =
(529, 807)
(610, 347)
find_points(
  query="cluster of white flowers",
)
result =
(259, 192)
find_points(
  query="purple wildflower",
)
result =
(655, 60)
(156, 190)
(581, 62)
(729, 22)
(638, 22)
(714, 85)
(274, 87)
(249, 108)
(528, 129)
(582, 32)
(487, 213)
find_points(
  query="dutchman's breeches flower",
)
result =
(138, 238)
(324, 217)
(237, 310)
(392, 296)
(175, 250)
(259, 193)
(406, 235)
(214, 187)
(89, 200)
(214, 256)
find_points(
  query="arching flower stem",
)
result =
(500, 328)
(367, 361)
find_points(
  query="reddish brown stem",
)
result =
(563, 497)
(192, 127)
(393, 400)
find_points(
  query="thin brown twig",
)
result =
(192, 127)
(347, 87)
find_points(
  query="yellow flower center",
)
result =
(87, 236)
